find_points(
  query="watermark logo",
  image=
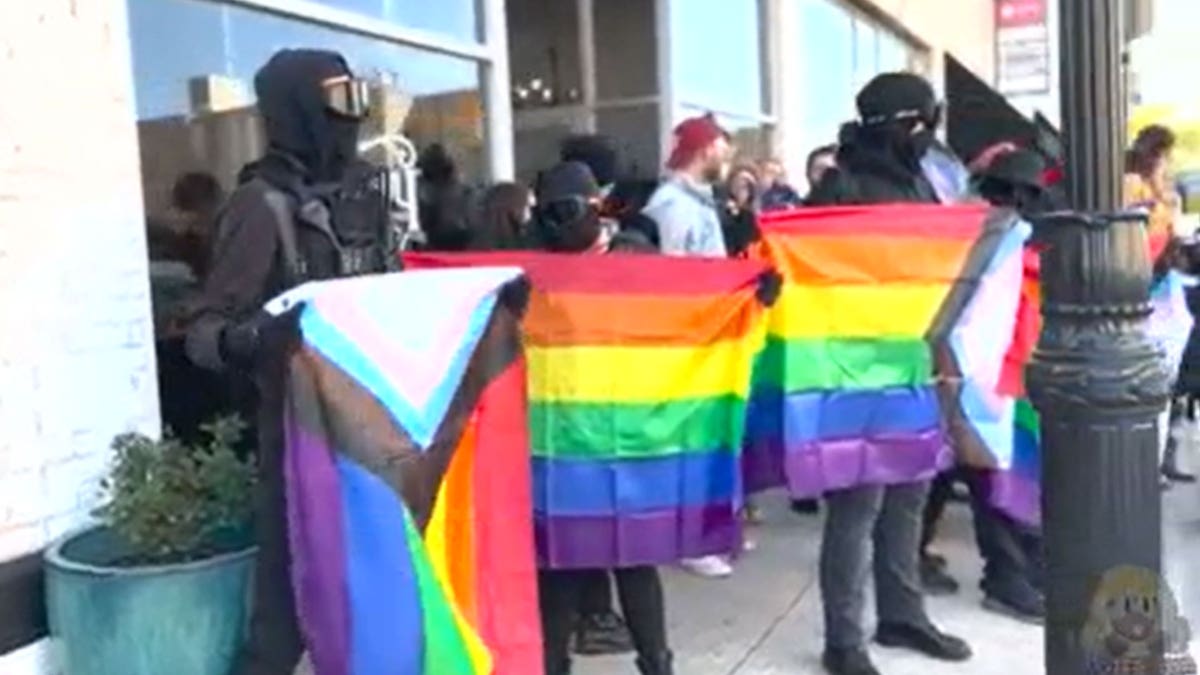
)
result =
(1134, 626)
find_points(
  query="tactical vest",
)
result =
(335, 231)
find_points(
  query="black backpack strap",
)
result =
(285, 228)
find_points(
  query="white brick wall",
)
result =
(76, 341)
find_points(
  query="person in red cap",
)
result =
(689, 224)
(684, 206)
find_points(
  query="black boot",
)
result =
(656, 664)
(560, 668)
(926, 640)
(1018, 600)
(848, 662)
(1170, 465)
(934, 578)
(806, 507)
(602, 634)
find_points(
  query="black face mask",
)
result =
(342, 149)
(920, 143)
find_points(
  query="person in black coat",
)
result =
(879, 161)
(1011, 584)
(737, 208)
(879, 156)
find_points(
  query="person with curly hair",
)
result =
(1148, 184)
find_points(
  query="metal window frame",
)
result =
(490, 53)
(666, 81)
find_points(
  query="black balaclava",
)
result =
(297, 122)
(890, 105)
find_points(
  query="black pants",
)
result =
(561, 595)
(596, 595)
(274, 646)
(1010, 550)
(890, 518)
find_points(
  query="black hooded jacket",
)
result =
(874, 166)
(282, 225)
(292, 106)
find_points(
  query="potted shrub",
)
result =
(161, 584)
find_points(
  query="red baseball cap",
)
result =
(692, 136)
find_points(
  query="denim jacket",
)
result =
(686, 213)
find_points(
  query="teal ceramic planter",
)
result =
(185, 619)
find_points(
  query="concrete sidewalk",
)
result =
(766, 619)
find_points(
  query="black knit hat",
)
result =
(894, 96)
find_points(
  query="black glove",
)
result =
(247, 343)
(769, 286)
(515, 296)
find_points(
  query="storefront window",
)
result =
(543, 51)
(716, 55)
(194, 65)
(842, 50)
(866, 52)
(827, 61)
(625, 66)
(894, 55)
(456, 18)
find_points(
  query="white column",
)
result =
(666, 89)
(587, 61)
(497, 87)
(790, 87)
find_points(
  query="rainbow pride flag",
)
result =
(406, 459)
(877, 303)
(639, 373)
(1016, 484)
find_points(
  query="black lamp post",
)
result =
(1099, 385)
(1097, 381)
(1093, 101)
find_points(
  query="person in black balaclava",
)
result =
(1010, 178)
(879, 161)
(305, 210)
(879, 156)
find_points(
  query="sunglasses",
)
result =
(931, 118)
(347, 96)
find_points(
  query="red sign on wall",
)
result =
(1020, 13)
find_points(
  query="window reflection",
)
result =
(455, 18)
(625, 68)
(195, 98)
(716, 55)
(543, 49)
(827, 60)
(866, 53)
(841, 52)
(194, 65)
